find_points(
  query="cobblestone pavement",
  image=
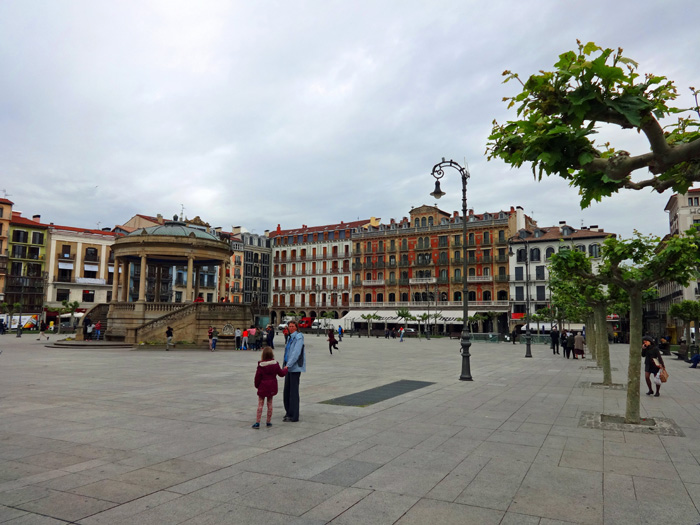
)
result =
(110, 436)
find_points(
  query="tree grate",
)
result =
(377, 394)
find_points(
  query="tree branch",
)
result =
(655, 135)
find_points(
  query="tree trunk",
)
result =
(635, 357)
(603, 348)
(687, 331)
(591, 334)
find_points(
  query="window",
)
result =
(457, 296)
(458, 274)
(178, 297)
(539, 293)
(487, 238)
(62, 294)
(501, 235)
(518, 273)
(423, 222)
(502, 295)
(37, 238)
(392, 297)
(88, 296)
(535, 254)
(356, 298)
(594, 250)
(443, 258)
(430, 221)
(368, 297)
(472, 296)
(486, 296)
(549, 253)
(521, 255)
(519, 293)
(420, 243)
(20, 236)
(539, 273)
(472, 272)
(404, 244)
(471, 238)
(404, 297)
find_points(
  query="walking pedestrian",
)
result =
(570, 344)
(214, 338)
(98, 330)
(332, 343)
(653, 362)
(563, 339)
(210, 334)
(579, 345)
(554, 335)
(266, 383)
(238, 338)
(42, 331)
(169, 339)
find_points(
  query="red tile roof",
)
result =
(83, 230)
(553, 233)
(23, 221)
(6, 201)
(315, 229)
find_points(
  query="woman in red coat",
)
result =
(266, 383)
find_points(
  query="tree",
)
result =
(559, 113)
(423, 319)
(686, 311)
(405, 315)
(10, 309)
(635, 265)
(369, 318)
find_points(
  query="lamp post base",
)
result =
(466, 365)
(528, 345)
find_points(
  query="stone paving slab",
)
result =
(116, 437)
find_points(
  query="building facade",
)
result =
(80, 266)
(417, 263)
(257, 254)
(683, 213)
(26, 277)
(5, 218)
(532, 249)
(311, 269)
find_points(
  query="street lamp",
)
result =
(528, 336)
(465, 340)
(317, 287)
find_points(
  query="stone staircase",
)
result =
(96, 313)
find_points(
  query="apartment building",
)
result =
(417, 263)
(80, 265)
(26, 279)
(5, 218)
(311, 269)
(532, 248)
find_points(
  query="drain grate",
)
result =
(377, 394)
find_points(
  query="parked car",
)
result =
(409, 330)
(281, 327)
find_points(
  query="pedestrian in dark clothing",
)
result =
(652, 360)
(554, 335)
(562, 340)
(332, 341)
(570, 344)
(512, 335)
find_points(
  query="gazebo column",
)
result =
(159, 271)
(222, 280)
(196, 281)
(190, 269)
(142, 280)
(115, 280)
(126, 278)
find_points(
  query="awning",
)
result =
(548, 326)
(91, 267)
(65, 265)
(389, 316)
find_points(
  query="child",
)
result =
(214, 338)
(266, 383)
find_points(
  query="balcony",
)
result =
(391, 264)
(443, 280)
(404, 264)
(479, 278)
(486, 259)
(497, 305)
(456, 280)
(403, 248)
(456, 260)
(501, 278)
(423, 280)
(357, 266)
(391, 248)
(66, 256)
(471, 260)
(92, 258)
(471, 243)
(501, 258)
(373, 282)
(403, 280)
(501, 241)
(424, 262)
(89, 280)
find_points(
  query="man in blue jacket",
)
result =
(295, 361)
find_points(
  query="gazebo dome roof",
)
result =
(174, 229)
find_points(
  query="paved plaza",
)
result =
(117, 436)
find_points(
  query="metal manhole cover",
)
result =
(377, 394)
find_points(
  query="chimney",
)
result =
(455, 214)
(594, 226)
(107, 229)
(512, 209)
(36, 218)
(601, 230)
(562, 223)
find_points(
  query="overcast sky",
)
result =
(259, 113)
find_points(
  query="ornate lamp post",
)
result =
(528, 335)
(465, 340)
